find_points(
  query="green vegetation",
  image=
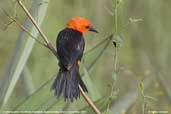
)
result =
(132, 77)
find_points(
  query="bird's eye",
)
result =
(87, 27)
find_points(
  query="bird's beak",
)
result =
(93, 30)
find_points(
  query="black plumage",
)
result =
(70, 47)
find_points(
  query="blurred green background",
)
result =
(143, 33)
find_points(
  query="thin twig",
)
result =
(116, 17)
(6, 25)
(91, 104)
(55, 53)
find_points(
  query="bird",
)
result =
(70, 48)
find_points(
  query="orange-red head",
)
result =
(80, 24)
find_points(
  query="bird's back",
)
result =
(70, 46)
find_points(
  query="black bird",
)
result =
(70, 47)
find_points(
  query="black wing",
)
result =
(70, 47)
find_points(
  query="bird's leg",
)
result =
(78, 62)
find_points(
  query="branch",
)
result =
(53, 50)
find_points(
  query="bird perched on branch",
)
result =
(70, 47)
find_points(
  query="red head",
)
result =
(80, 24)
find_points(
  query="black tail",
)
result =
(66, 83)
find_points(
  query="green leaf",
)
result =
(21, 53)
(42, 99)
(92, 90)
